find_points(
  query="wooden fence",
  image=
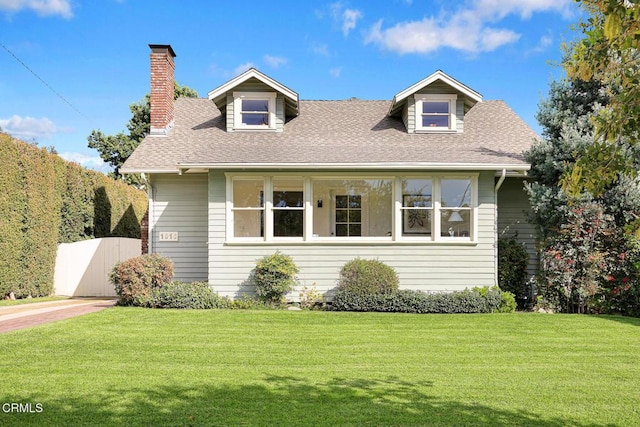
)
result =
(82, 268)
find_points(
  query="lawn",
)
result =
(9, 302)
(128, 366)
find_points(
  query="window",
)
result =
(417, 207)
(352, 207)
(435, 112)
(455, 208)
(254, 110)
(248, 208)
(288, 208)
(294, 208)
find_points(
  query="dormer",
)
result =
(254, 102)
(437, 103)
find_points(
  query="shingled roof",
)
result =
(337, 134)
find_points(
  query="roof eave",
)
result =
(516, 167)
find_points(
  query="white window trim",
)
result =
(396, 234)
(451, 99)
(237, 109)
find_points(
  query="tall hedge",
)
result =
(11, 217)
(44, 201)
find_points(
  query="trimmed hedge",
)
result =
(368, 276)
(485, 300)
(196, 295)
(45, 200)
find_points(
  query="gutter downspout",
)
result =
(152, 216)
(495, 223)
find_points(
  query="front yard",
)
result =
(129, 366)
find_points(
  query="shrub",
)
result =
(478, 300)
(310, 297)
(507, 303)
(274, 276)
(512, 268)
(195, 295)
(367, 277)
(136, 277)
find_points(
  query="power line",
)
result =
(43, 82)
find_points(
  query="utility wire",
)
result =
(42, 80)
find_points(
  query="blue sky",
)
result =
(91, 58)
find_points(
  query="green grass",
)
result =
(128, 366)
(4, 303)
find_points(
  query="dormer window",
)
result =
(254, 110)
(435, 113)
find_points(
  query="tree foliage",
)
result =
(115, 149)
(581, 235)
(609, 54)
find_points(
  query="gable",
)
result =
(253, 81)
(453, 98)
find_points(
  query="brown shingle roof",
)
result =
(334, 132)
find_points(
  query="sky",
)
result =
(70, 66)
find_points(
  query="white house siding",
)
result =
(430, 267)
(179, 204)
(513, 207)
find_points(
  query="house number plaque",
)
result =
(168, 236)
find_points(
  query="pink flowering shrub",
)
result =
(588, 265)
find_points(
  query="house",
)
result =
(424, 182)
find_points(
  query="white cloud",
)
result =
(524, 8)
(344, 17)
(320, 49)
(349, 19)
(470, 29)
(242, 68)
(28, 128)
(84, 160)
(543, 43)
(41, 7)
(274, 61)
(335, 72)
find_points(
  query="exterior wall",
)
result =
(179, 204)
(428, 266)
(513, 206)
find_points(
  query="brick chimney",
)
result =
(162, 71)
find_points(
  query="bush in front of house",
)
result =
(135, 278)
(513, 259)
(478, 300)
(195, 295)
(274, 276)
(367, 277)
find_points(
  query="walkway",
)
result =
(27, 315)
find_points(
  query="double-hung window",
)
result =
(254, 110)
(435, 112)
(248, 207)
(288, 207)
(417, 207)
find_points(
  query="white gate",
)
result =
(82, 268)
